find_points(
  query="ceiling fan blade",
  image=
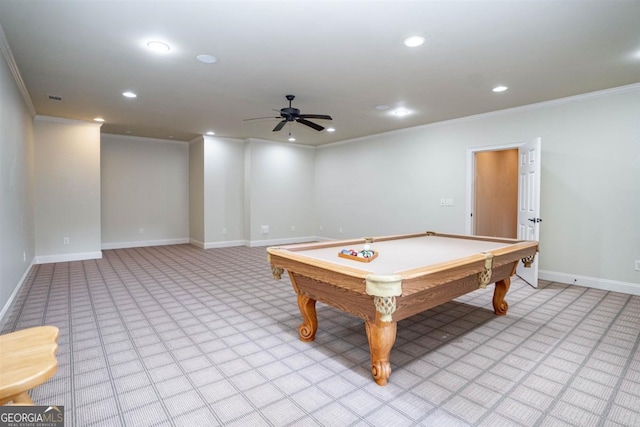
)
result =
(316, 116)
(310, 124)
(260, 118)
(279, 126)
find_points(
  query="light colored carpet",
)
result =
(179, 336)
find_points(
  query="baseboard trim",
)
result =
(224, 244)
(13, 296)
(143, 243)
(590, 282)
(287, 241)
(47, 259)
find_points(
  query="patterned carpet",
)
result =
(179, 336)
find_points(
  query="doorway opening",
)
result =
(503, 189)
(495, 211)
(490, 173)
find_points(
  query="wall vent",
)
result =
(54, 97)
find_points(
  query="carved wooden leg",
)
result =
(381, 337)
(309, 325)
(500, 306)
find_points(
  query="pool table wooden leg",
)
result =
(382, 336)
(309, 325)
(500, 306)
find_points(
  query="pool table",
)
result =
(409, 274)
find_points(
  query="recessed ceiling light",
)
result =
(414, 41)
(211, 133)
(129, 95)
(382, 107)
(401, 112)
(331, 130)
(500, 88)
(207, 59)
(98, 119)
(159, 47)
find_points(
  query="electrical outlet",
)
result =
(140, 230)
(443, 202)
(65, 241)
(293, 228)
(321, 228)
(638, 265)
(224, 231)
(264, 229)
(340, 230)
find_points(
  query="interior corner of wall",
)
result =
(199, 138)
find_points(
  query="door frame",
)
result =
(471, 170)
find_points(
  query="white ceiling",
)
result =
(340, 58)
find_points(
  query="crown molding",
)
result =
(66, 121)
(8, 57)
(259, 141)
(135, 138)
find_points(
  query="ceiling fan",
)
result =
(290, 114)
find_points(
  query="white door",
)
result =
(529, 203)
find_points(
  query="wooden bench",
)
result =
(27, 359)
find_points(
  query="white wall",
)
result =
(144, 191)
(590, 199)
(196, 192)
(223, 191)
(279, 192)
(67, 182)
(17, 241)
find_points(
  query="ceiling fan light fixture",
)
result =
(331, 129)
(129, 94)
(499, 89)
(290, 115)
(210, 133)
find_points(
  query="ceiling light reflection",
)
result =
(159, 47)
(414, 41)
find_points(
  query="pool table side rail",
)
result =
(425, 298)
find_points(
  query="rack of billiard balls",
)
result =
(366, 254)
